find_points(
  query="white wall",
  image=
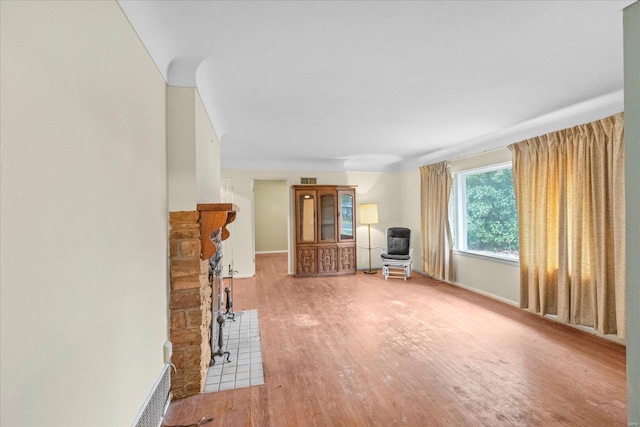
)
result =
(498, 279)
(193, 151)
(381, 188)
(271, 210)
(207, 156)
(632, 146)
(84, 216)
(181, 148)
(410, 214)
(384, 190)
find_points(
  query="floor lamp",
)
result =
(368, 216)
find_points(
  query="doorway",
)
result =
(271, 217)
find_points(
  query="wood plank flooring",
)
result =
(362, 351)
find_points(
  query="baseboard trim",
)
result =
(486, 294)
(472, 289)
(587, 329)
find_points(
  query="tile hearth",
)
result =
(242, 340)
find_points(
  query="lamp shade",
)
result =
(369, 213)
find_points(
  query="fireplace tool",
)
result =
(229, 314)
(220, 352)
(215, 280)
(216, 312)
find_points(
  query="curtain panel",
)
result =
(569, 188)
(437, 242)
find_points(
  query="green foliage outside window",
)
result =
(492, 221)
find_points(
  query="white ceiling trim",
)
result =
(385, 85)
(583, 112)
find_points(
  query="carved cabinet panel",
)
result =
(327, 259)
(347, 257)
(306, 260)
(323, 227)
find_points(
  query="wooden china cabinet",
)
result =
(325, 238)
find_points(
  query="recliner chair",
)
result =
(397, 254)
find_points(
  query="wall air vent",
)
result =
(152, 412)
(308, 181)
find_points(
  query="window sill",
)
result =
(488, 257)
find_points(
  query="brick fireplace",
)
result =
(190, 300)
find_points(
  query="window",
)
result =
(483, 214)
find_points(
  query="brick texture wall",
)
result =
(189, 304)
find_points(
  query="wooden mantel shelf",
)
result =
(212, 217)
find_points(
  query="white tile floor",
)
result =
(242, 340)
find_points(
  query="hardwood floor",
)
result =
(362, 351)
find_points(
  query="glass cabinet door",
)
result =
(327, 221)
(346, 215)
(306, 217)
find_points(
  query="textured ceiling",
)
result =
(385, 86)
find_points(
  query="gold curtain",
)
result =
(569, 189)
(437, 249)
